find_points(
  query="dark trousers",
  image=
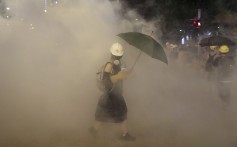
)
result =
(224, 91)
(111, 108)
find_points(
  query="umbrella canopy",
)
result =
(216, 40)
(146, 44)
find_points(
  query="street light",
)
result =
(197, 23)
(45, 5)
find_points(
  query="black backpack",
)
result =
(100, 78)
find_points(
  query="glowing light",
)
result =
(187, 37)
(199, 24)
(182, 41)
(32, 27)
(8, 8)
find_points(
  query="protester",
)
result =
(209, 68)
(111, 106)
(224, 64)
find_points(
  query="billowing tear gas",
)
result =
(48, 89)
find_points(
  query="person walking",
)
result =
(224, 63)
(209, 68)
(111, 106)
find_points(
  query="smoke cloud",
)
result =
(48, 90)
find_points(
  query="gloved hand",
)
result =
(119, 76)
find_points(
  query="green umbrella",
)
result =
(146, 44)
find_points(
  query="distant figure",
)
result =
(224, 64)
(209, 67)
(185, 59)
(172, 51)
(112, 106)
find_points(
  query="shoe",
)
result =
(93, 132)
(127, 137)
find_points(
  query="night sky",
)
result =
(180, 9)
(179, 14)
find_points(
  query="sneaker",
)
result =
(93, 132)
(127, 137)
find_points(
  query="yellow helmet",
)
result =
(224, 49)
(213, 47)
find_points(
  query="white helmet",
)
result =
(117, 49)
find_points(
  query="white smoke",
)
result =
(48, 91)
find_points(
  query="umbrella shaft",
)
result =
(136, 60)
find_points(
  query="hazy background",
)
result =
(48, 91)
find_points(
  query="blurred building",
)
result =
(5, 11)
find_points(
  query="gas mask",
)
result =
(116, 62)
(116, 59)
